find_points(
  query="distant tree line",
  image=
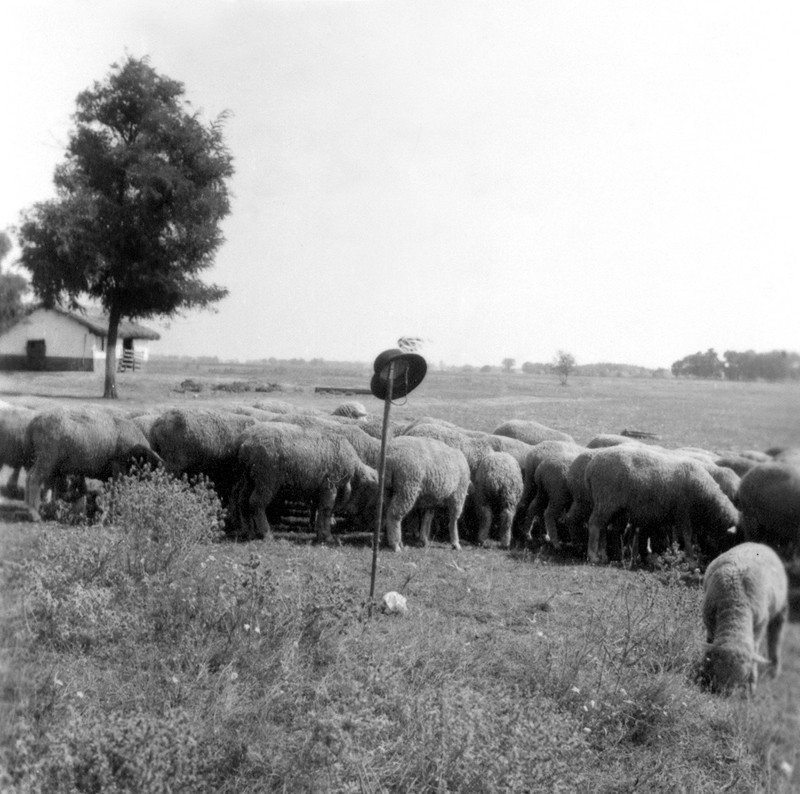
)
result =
(749, 365)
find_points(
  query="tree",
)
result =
(563, 364)
(12, 287)
(699, 365)
(508, 364)
(139, 200)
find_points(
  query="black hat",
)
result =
(409, 371)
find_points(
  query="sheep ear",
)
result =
(731, 530)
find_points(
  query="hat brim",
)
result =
(409, 372)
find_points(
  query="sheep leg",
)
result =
(33, 492)
(454, 509)
(774, 641)
(597, 538)
(551, 515)
(425, 526)
(504, 529)
(394, 532)
(324, 517)
(485, 524)
(260, 498)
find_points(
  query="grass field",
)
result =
(260, 667)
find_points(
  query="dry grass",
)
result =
(258, 667)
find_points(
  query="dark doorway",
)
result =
(36, 353)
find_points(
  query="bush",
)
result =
(161, 519)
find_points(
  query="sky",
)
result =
(619, 180)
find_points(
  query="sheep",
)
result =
(769, 504)
(745, 598)
(203, 441)
(351, 410)
(655, 490)
(538, 452)
(318, 467)
(14, 421)
(86, 442)
(283, 407)
(553, 496)
(530, 432)
(424, 473)
(736, 462)
(789, 455)
(498, 488)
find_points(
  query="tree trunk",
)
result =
(110, 391)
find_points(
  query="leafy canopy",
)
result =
(139, 200)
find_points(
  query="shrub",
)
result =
(117, 752)
(161, 518)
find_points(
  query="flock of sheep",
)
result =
(613, 498)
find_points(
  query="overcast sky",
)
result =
(620, 180)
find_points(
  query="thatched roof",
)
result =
(97, 323)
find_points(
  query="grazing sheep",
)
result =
(424, 473)
(530, 432)
(498, 488)
(655, 491)
(745, 599)
(351, 410)
(769, 502)
(83, 442)
(553, 496)
(523, 521)
(317, 467)
(492, 491)
(283, 407)
(14, 421)
(788, 455)
(738, 463)
(204, 441)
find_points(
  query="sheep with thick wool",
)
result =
(14, 421)
(745, 599)
(523, 521)
(205, 441)
(497, 491)
(530, 432)
(83, 442)
(495, 484)
(769, 503)
(424, 473)
(553, 497)
(318, 467)
(656, 492)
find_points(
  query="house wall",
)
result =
(69, 345)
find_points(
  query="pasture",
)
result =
(259, 666)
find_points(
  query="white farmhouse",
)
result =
(57, 340)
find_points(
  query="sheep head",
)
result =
(727, 668)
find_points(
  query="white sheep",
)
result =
(745, 599)
(769, 501)
(495, 484)
(424, 473)
(553, 497)
(656, 491)
(530, 432)
(498, 488)
(204, 441)
(351, 409)
(318, 467)
(86, 442)
(14, 421)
